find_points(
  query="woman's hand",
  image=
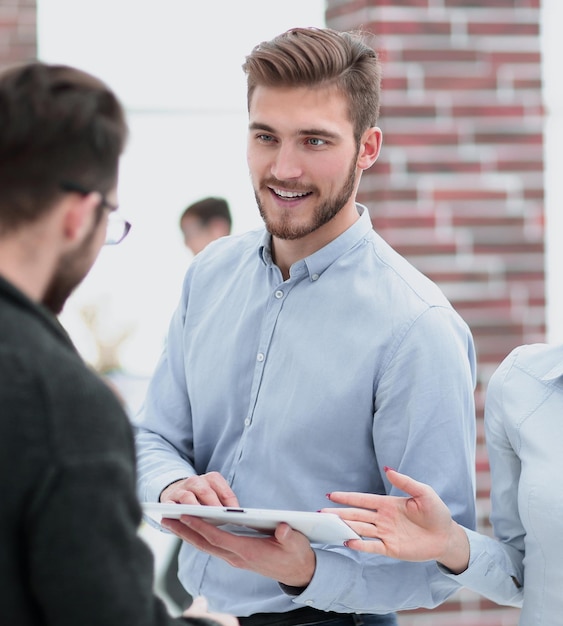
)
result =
(415, 528)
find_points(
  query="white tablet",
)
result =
(324, 528)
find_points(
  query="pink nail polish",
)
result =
(387, 468)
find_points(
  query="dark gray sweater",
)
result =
(69, 549)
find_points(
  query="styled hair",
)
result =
(321, 57)
(208, 209)
(57, 124)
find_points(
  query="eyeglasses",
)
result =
(117, 227)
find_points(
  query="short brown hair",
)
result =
(57, 124)
(319, 56)
(208, 209)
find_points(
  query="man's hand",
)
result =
(418, 528)
(198, 608)
(286, 557)
(210, 489)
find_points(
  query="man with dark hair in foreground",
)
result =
(68, 530)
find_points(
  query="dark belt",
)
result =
(304, 615)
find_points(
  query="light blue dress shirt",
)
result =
(524, 430)
(292, 389)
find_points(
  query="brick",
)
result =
(491, 4)
(510, 29)
(417, 111)
(465, 83)
(433, 55)
(404, 3)
(423, 138)
(397, 222)
(409, 28)
(394, 83)
(533, 57)
(520, 166)
(472, 194)
(532, 84)
(452, 166)
(491, 110)
(522, 138)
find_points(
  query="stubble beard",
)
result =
(283, 227)
(71, 271)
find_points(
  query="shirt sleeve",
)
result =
(165, 417)
(502, 403)
(494, 570)
(424, 426)
(496, 565)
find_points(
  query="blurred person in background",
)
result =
(204, 221)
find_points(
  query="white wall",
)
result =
(552, 50)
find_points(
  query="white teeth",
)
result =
(290, 194)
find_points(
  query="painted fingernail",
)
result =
(328, 495)
(387, 468)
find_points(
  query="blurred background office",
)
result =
(468, 186)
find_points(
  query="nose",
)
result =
(286, 164)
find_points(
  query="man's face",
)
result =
(302, 158)
(74, 266)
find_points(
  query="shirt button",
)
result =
(279, 294)
(315, 277)
(247, 422)
(308, 602)
(260, 357)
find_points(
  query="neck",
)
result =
(286, 252)
(27, 261)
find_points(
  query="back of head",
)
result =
(309, 57)
(208, 209)
(57, 124)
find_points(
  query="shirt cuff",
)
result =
(321, 592)
(490, 571)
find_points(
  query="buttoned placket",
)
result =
(280, 291)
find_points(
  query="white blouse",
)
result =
(523, 566)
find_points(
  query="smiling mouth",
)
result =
(289, 195)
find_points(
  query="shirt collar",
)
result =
(554, 373)
(320, 260)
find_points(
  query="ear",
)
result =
(79, 216)
(370, 146)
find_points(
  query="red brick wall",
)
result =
(18, 33)
(458, 188)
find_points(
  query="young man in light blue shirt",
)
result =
(306, 356)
